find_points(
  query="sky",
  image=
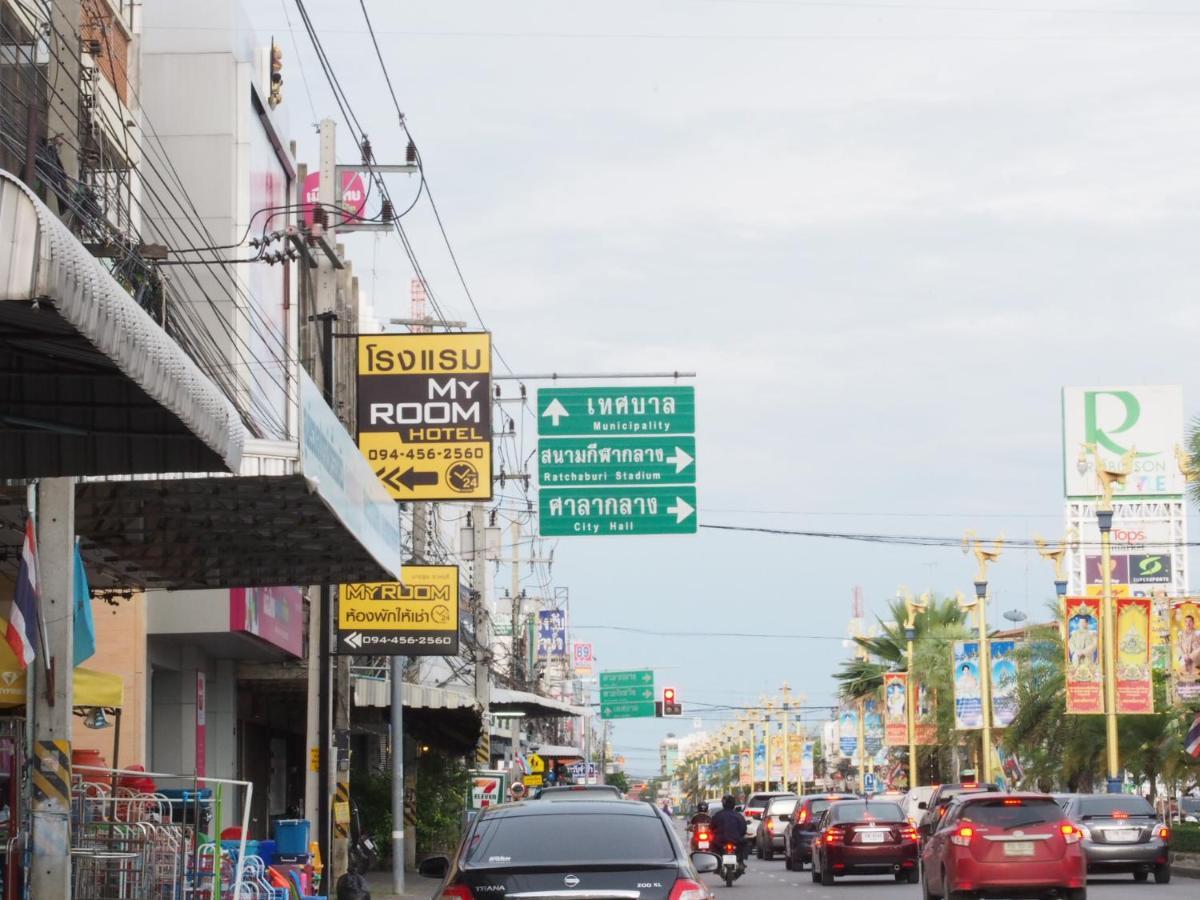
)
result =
(884, 235)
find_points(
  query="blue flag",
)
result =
(85, 627)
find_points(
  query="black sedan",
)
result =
(551, 848)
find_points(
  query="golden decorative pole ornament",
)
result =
(1056, 555)
(911, 609)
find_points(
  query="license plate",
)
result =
(1122, 835)
(729, 859)
(871, 837)
(703, 845)
(1018, 848)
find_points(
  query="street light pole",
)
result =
(1055, 555)
(787, 696)
(911, 609)
(985, 558)
(1109, 477)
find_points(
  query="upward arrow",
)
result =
(555, 411)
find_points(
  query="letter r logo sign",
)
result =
(1114, 422)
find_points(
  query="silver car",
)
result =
(770, 834)
(1121, 833)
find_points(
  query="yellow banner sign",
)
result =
(424, 413)
(417, 616)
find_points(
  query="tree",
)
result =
(619, 780)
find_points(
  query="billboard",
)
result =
(1116, 420)
(584, 658)
(552, 634)
(1085, 677)
(414, 617)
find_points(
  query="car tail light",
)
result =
(802, 816)
(686, 889)
(1164, 833)
(963, 836)
(753, 813)
(1120, 814)
(1070, 833)
(769, 824)
(1012, 802)
(908, 833)
(834, 835)
(457, 892)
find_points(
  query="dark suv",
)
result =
(802, 828)
(1122, 834)
(935, 808)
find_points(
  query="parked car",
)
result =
(935, 807)
(1000, 845)
(603, 848)
(755, 806)
(802, 826)
(769, 836)
(1189, 809)
(913, 800)
(1121, 833)
(865, 837)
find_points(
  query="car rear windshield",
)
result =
(1012, 812)
(852, 811)
(953, 791)
(821, 804)
(782, 807)
(1107, 805)
(576, 839)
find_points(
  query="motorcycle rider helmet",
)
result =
(728, 802)
(702, 806)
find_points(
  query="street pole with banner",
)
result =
(912, 608)
(787, 696)
(985, 558)
(1055, 556)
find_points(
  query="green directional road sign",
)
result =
(629, 678)
(635, 709)
(616, 461)
(617, 694)
(600, 511)
(616, 411)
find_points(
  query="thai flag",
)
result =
(22, 632)
(1192, 741)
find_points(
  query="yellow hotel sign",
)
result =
(424, 413)
(415, 617)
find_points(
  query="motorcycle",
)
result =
(730, 870)
(701, 838)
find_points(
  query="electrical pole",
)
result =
(483, 687)
(420, 523)
(515, 661)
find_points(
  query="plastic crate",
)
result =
(291, 837)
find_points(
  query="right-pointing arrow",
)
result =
(681, 510)
(681, 458)
(555, 411)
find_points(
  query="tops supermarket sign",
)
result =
(1116, 419)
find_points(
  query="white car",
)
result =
(913, 799)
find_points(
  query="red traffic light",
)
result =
(669, 695)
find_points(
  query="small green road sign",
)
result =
(633, 709)
(616, 411)
(628, 678)
(601, 511)
(617, 694)
(616, 461)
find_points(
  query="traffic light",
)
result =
(671, 707)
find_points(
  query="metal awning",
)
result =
(91, 384)
(533, 705)
(377, 692)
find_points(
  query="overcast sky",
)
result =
(884, 234)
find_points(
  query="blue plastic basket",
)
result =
(291, 837)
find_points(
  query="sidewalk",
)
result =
(415, 887)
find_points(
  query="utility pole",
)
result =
(514, 656)
(420, 523)
(483, 687)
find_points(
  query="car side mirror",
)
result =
(922, 805)
(705, 862)
(434, 867)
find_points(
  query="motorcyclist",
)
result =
(700, 816)
(729, 827)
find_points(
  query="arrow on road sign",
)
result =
(556, 411)
(648, 676)
(608, 711)
(353, 640)
(681, 510)
(681, 458)
(411, 478)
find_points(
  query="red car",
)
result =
(861, 837)
(1004, 845)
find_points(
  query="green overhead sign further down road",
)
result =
(627, 695)
(616, 461)
(616, 694)
(630, 678)
(625, 411)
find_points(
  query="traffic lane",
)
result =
(771, 881)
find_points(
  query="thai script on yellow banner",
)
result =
(1135, 687)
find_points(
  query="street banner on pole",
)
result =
(760, 761)
(1185, 650)
(848, 732)
(1135, 686)
(926, 714)
(968, 692)
(745, 766)
(795, 755)
(895, 708)
(806, 761)
(425, 413)
(776, 757)
(1085, 677)
(415, 617)
(1004, 683)
(872, 726)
